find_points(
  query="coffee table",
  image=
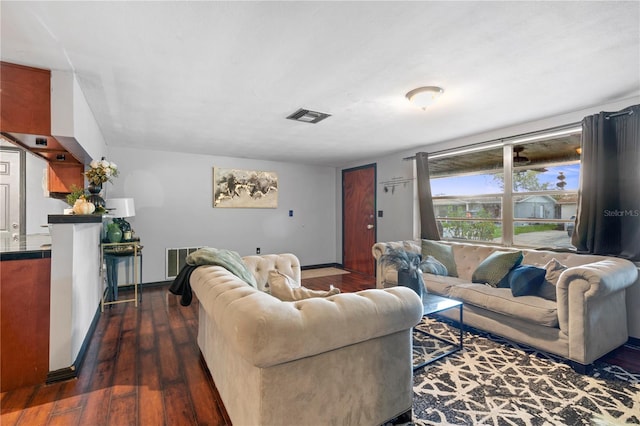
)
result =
(434, 304)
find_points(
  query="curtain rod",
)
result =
(616, 114)
(499, 140)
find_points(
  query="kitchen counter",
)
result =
(33, 246)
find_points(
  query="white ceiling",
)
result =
(219, 78)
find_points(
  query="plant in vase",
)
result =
(99, 172)
(74, 195)
(408, 266)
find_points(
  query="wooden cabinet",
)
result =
(63, 176)
(25, 99)
(24, 322)
(25, 118)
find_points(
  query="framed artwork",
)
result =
(234, 188)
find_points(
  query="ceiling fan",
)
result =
(519, 160)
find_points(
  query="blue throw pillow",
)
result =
(525, 280)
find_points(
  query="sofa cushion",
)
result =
(287, 289)
(441, 284)
(443, 253)
(496, 266)
(500, 300)
(525, 280)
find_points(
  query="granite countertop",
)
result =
(30, 246)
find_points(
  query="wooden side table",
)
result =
(111, 254)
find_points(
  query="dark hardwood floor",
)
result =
(142, 367)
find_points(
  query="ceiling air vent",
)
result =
(307, 116)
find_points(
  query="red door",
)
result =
(358, 218)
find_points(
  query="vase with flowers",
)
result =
(100, 171)
(407, 264)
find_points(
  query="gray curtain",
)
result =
(608, 218)
(428, 225)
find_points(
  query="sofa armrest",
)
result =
(592, 306)
(266, 331)
(378, 250)
(600, 278)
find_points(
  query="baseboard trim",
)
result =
(145, 285)
(61, 375)
(321, 265)
(633, 341)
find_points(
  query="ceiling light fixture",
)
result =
(422, 97)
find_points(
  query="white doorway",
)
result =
(12, 224)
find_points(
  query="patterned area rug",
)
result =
(496, 382)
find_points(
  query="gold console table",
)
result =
(110, 253)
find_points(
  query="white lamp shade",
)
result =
(120, 207)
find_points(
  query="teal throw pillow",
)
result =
(496, 266)
(525, 280)
(441, 252)
(431, 265)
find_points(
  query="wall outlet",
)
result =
(257, 250)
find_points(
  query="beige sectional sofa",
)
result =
(587, 321)
(340, 360)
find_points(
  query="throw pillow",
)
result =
(287, 289)
(553, 270)
(431, 265)
(496, 266)
(443, 253)
(525, 280)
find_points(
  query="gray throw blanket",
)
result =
(230, 260)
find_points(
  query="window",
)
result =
(534, 206)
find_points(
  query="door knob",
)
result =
(370, 226)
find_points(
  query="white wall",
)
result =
(173, 196)
(72, 122)
(76, 288)
(38, 204)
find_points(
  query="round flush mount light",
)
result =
(422, 97)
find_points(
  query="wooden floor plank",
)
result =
(41, 406)
(96, 409)
(202, 394)
(150, 400)
(124, 381)
(178, 405)
(66, 418)
(123, 410)
(13, 403)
